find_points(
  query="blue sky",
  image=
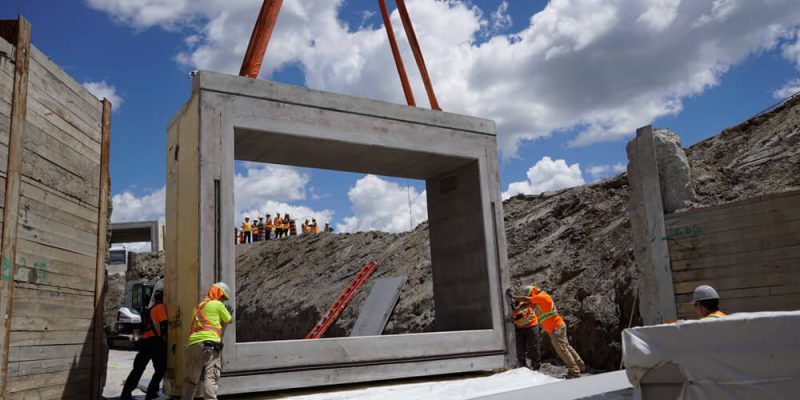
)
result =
(567, 90)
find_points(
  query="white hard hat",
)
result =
(226, 290)
(704, 292)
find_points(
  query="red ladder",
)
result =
(341, 303)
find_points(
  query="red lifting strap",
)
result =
(268, 16)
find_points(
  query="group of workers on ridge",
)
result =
(266, 228)
(534, 307)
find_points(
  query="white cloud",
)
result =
(386, 206)
(102, 90)
(787, 90)
(603, 171)
(129, 207)
(547, 175)
(602, 67)
(501, 19)
(263, 182)
(791, 49)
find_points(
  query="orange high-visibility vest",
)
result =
(524, 317)
(158, 315)
(277, 223)
(200, 321)
(269, 224)
(546, 312)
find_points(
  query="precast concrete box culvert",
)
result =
(231, 118)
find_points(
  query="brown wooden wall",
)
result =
(748, 250)
(55, 284)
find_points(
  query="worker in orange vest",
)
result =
(285, 223)
(526, 333)
(278, 223)
(292, 228)
(255, 232)
(314, 226)
(205, 343)
(152, 346)
(305, 228)
(556, 328)
(706, 303)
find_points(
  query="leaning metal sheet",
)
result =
(745, 355)
(379, 305)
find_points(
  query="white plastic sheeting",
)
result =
(742, 356)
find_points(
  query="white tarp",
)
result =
(742, 356)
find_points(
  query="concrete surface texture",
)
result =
(232, 118)
(674, 171)
(120, 364)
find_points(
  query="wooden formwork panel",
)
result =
(748, 250)
(58, 252)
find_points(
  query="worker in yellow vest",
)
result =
(556, 328)
(205, 343)
(267, 227)
(285, 223)
(247, 229)
(526, 333)
(706, 303)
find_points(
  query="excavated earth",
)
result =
(574, 243)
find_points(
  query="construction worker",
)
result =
(260, 227)
(205, 343)
(306, 227)
(247, 228)
(706, 303)
(526, 333)
(152, 346)
(292, 228)
(285, 224)
(328, 228)
(255, 232)
(278, 223)
(314, 226)
(556, 328)
(268, 227)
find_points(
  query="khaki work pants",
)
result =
(201, 360)
(573, 361)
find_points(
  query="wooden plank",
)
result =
(22, 383)
(57, 260)
(34, 274)
(56, 201)
(81, 92)
(740, 282)
(23, 368)
(57, 91)
(656, 299)
(102, 242)
(734, 223)
(724, 271)
(23, 338)
(39, 229)
(13, 180)
(50, 148)
(45, 310)
(76, 388)
(50, 214)
(50, 324)
(766, 237)
(36, 295)
(40, 117)
(743, 258)
(59, 179)
(32, 353)
(771, 201)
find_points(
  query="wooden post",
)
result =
(102, 244)
(648, 231)
(16, 147)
